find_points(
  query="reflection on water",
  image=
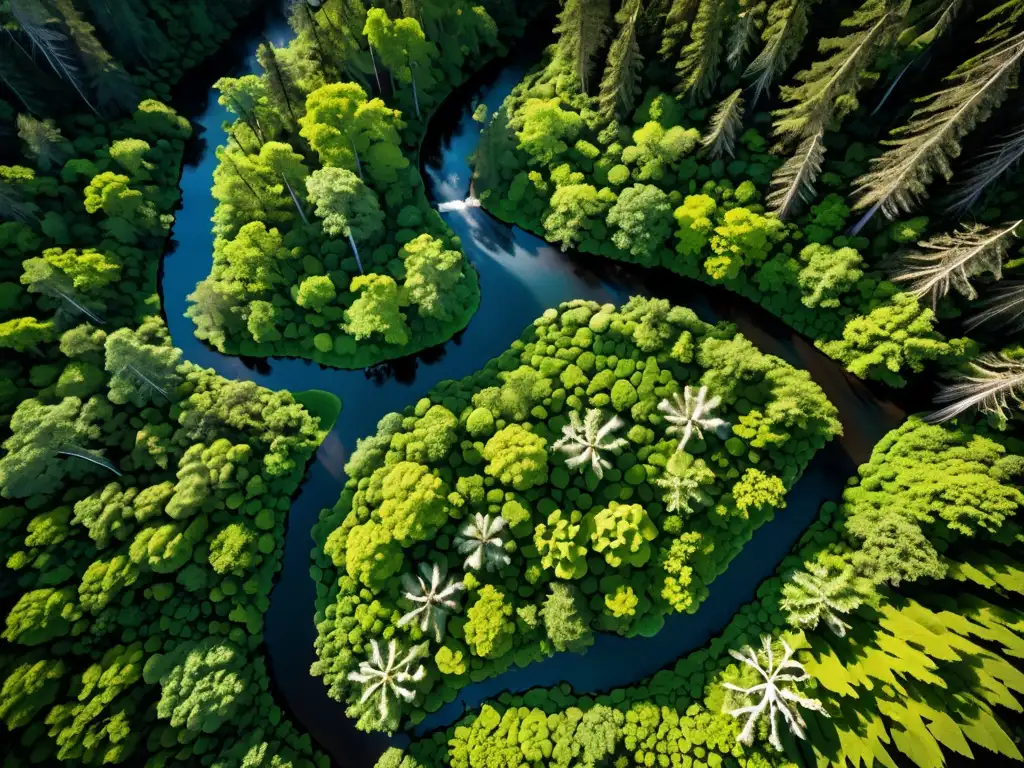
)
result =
(520, 277)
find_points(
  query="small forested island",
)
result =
(846, 175)
(597, 475)
(326, 246)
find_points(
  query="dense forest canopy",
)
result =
(851, 167)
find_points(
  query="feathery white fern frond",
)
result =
(584, 441)
(725, 127)
(994, 385)
(1005, 307)
(793, 182)
(986, 170)
(926, 146)
(950, 260)
(390, 679)
(433, 596)
(692, 413)
(777, 693)
(482, 539)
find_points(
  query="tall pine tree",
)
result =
(621, 82)
(582, 29)
(283, 91)
(698, 65)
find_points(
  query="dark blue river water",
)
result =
(520, 277)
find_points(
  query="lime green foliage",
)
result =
(623, 532)
(377, 310)
(893, 337)
(558, 542)
(433, 278)
(516, 457)
(315, 292)
(756, 490)
(640, 221)
(826, 589)
(546, 128)
(489, 630)
(469, 478)
(827, 274)
(952, 482)
(567, 619)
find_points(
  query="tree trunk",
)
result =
(376, 74)
(316, 40)
(298, 206)
(856, 228)
(355, 250)
(280, 80)
(81, 453)
(78, 306)
(238, 172)
(359, 165)
(415, 95)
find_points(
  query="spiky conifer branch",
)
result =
(34, 20)
(828, 89)
(926, 146)
(793, 181)
(941, 20)
(677, 25)
(994, 385)
(783, 36)
(582, 29)
(1005, 307)
(620, 83)
(725, 126)
(950, 260)
(745, 31)
(984, 171)
(698, 65)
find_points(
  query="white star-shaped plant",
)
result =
(688, 413)
(389, 680)
(434, 597)
(584, 441)
(482, 538)
(778, 692)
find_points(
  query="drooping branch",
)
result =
(951, 260)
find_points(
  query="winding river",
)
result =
(520, 277)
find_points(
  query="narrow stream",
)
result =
(520, 277)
